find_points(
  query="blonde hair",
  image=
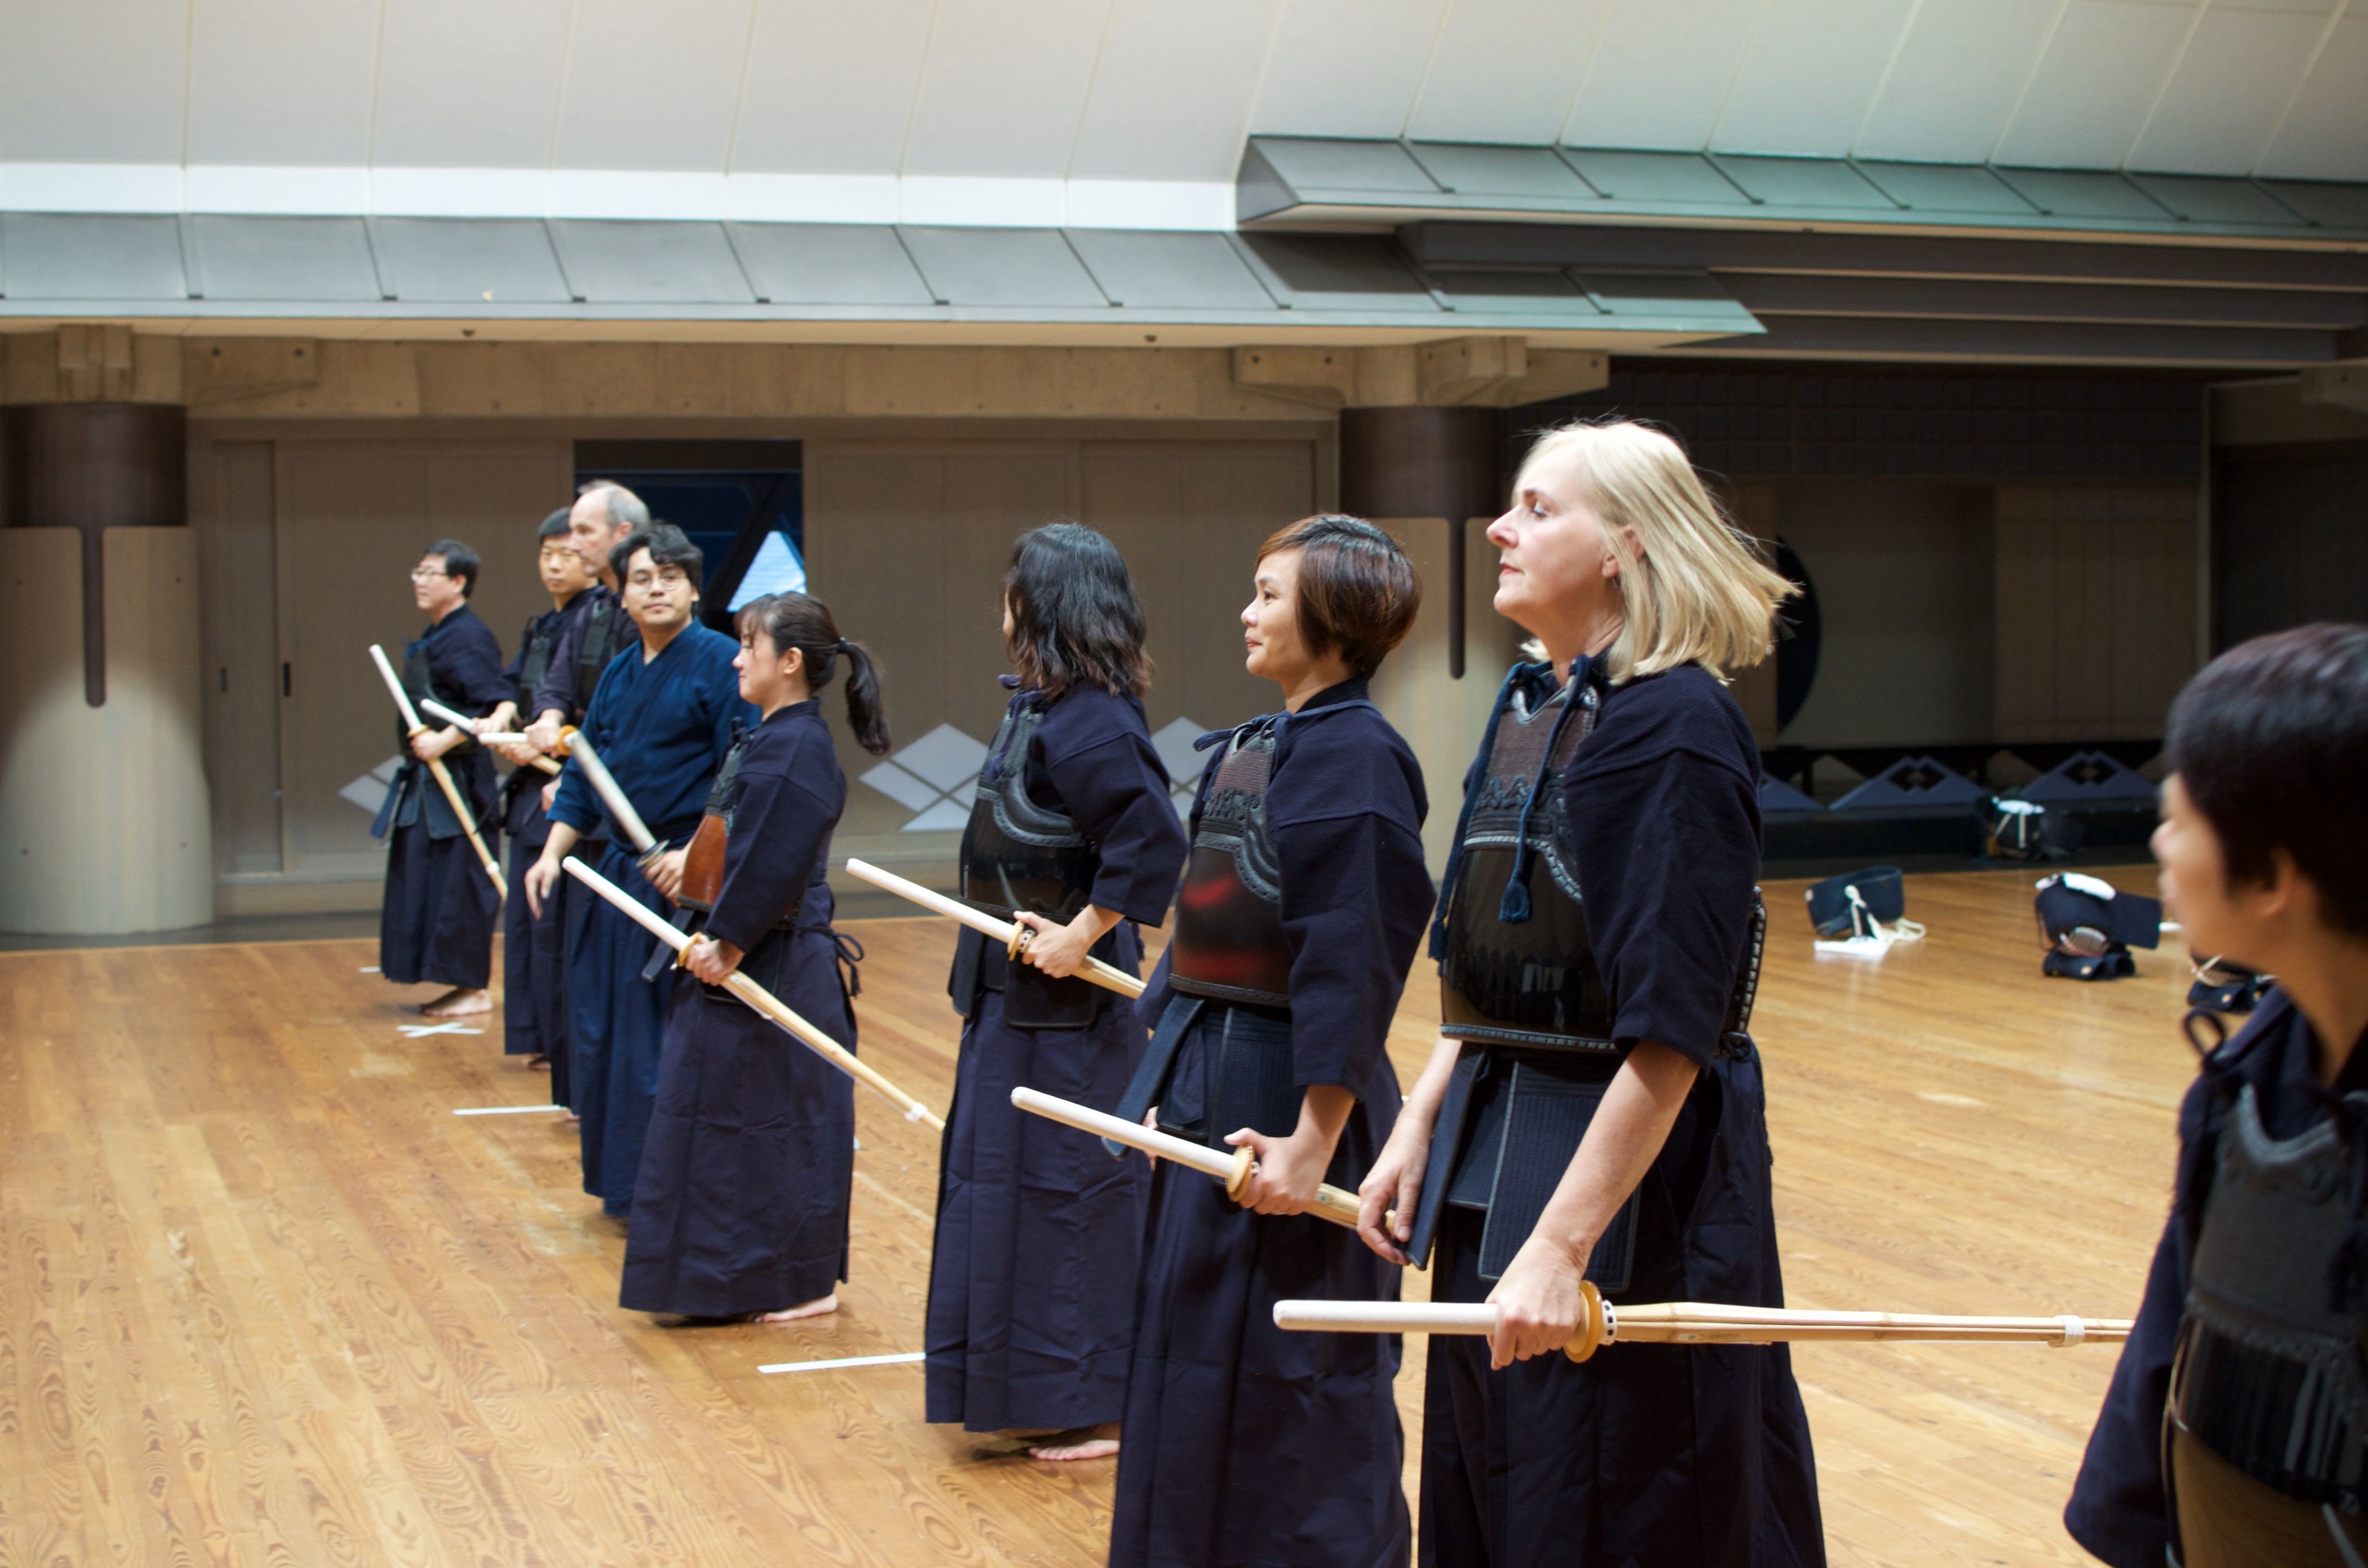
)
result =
(1691, 585)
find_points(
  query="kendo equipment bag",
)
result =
(1881, 894)
(2026, 830)
(2088, 927)
(2223, 986)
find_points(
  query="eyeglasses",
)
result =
(429, 576)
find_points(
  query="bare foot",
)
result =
(460, 1003)
(1083, 1443)
(573, 1117)
(539, 1063)
(812, 1309)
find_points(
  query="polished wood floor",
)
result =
(264, 1299)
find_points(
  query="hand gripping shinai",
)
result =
(413, 728)
(758, 997)
(604, 784)
(1014, 936)
(1698, 1323)
(1332, 1203)
(491, 738)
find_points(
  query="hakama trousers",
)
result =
(437, 923)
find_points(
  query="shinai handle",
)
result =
(1010, 933)
(759, 999)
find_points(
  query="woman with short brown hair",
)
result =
(1299, 916)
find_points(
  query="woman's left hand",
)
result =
(1289, 1169)
(665, 872)
(1539, 1303)
(711, 961)
(1058, 950)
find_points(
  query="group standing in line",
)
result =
(1593, 1111)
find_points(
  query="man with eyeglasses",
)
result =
(437, 923)
(662, 718)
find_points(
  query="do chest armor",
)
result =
(702, 860)
(1229, 944)
(534, 660)
(594, 649)
(1534, 980)
(1016, 854)
(2268, 1375)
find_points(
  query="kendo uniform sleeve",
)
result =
(1093, 758)
(558, 688)
(1666, 822)
(1345, 806)
(783, 820)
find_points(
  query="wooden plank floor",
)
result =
(264, 1300)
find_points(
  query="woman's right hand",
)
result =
(1391, 1189)
(539, 879)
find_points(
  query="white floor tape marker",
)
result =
(420, 1032)
(506, 1110)
(369, 969)
(844, 1362)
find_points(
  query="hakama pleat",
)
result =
(616, 1027)
(1246, 1446)
(1645, 1456)
(741, 1205)
(1031, 1282)
(436, 923)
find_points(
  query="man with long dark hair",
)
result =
(1072, 834)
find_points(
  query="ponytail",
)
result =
(803, 623)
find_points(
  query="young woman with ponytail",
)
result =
(740, 1210)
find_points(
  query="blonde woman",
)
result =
(1593, 1109)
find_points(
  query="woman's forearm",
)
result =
(563, 838)
(1422, 1101)
(1626, 1136)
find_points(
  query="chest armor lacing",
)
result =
(1229, 944)
(534, 661)
(1018, 854)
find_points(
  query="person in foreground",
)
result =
(662, 718)
(1072, 834)
(2244, 1372)
(1594, 1107)
(1301, 908)
(740, 1211)
(437, 923)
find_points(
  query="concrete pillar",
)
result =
(105, 824)
(1429, 476)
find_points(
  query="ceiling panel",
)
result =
(1173, 89)
(1003, 88)
(1549, 296)
(2228, 91)
(652, 86)
(665, 263)
(1813, 68)
(1959, 72)
(2093, 89)
(1506, 72)
(1660, 74)
(1379, 166)
(2084, 193)
(1003, 267)
(2326, 133)
(829, 264)
(281, 81)
(45, 255)
(1947, 187)
(1346, 67)
(91, 80)
(1686, 177)
(327, 259)
(501, 261)
(1805, 182)
(488, 106)
(1533, 174)
(1150, 270)
(2204, 199)
(1358, 272)
(830, 87)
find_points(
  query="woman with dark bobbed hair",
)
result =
(1073, 834)
(1593, 1109)
(740, 1207)
(1306, 894)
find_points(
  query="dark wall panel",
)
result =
(2289, 540)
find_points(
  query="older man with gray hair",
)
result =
(604, 513)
